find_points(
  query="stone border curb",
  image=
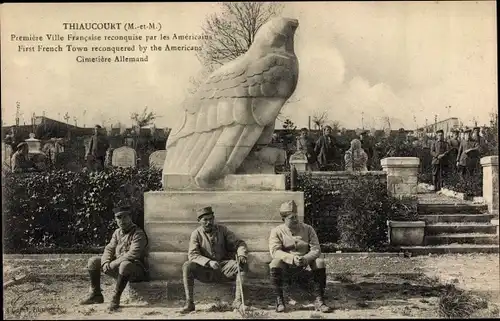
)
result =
(89, 255)
(47, 256)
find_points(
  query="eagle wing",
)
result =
(224, 119)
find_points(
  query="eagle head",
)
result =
(276, 36)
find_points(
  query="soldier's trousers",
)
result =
(227, 272)
(134, 271)
(437, 176)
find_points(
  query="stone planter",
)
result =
(409, 233)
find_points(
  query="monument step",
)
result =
(171, 293)
(440, 228)
(168, 265)
(460, 218)
(452, 249)
(173, 236)
(424, 208)
(465, 238)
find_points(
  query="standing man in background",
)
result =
(326, 150)
(453, 145)
(439, 151)
(367, 146)
(98, 148)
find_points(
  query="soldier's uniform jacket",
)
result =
(219, 245)
(454, 143)
(463, 158)
(438, 147)
(284, 245)
(20, 162)
(99, 144)
(130, 246)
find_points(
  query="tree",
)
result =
(288, 124)
(145, 118)
(319, 119)
(232, 32)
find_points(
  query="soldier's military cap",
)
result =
(204, 211)
(120, 210)
(439, 131)
(288, 207)
(20, 145)
(467, 130)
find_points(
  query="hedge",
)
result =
(72, 211)
(67, 209)
(353, 216)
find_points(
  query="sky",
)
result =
(363, 63)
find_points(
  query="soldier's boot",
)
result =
(189, 290)
(277, 283)
(319, 290)
(95, 296)
(238, 300)
(121, 283)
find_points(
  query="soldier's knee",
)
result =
(94, 263)
(320, 263)
(188, 266)
(277, 263)
(126, 268)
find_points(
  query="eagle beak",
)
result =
(294, 23)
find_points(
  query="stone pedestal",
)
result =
(170, 217)
(402, 175)
(490, 182)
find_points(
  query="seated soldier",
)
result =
(123, 259)
(294, 246)
(211, 258)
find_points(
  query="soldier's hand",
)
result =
(106, 267)
(242, 260)
(302, 261)
(297, 260)
(214, 265)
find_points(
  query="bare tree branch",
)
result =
(319, 118)
(232, 32)
(145, 118)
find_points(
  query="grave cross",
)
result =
(66, 117)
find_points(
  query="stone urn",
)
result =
(406, 233)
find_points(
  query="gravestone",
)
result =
(299, 160)
(124, 157)
(157, 159)
(6, 155)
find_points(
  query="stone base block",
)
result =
(181, 206)
(168, 265)
(255, 182)
(241, 182)
(170, 216)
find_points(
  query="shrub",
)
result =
(352, 214)
(70, 209)
(473, 186)
(456, 303)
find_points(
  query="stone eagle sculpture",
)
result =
(234, 111)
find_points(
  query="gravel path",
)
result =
(359, 287)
